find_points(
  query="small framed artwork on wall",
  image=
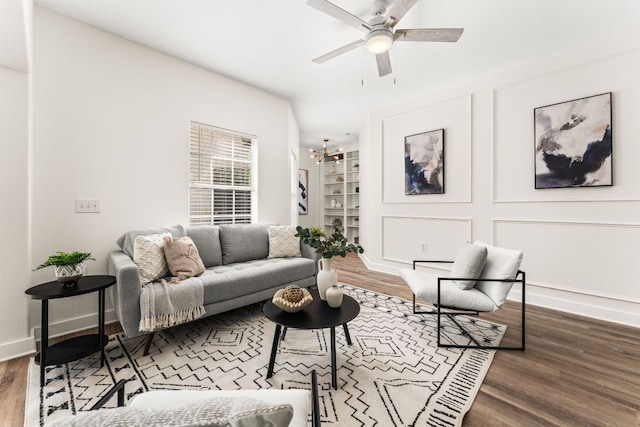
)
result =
(573, 143)
(303, 191)
(424, 163)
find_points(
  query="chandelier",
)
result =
(325, 154)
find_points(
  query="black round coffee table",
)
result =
(72, 348)
(317, 315)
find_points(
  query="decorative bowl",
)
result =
(292, 299)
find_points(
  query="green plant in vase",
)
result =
(69, 267)
(327, 246)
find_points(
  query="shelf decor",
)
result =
(573, 143)
(424, 163)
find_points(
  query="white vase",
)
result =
(68, 274)
(334, 296)
(327, 277)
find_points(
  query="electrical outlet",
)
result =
(87, 205)
(423, 247)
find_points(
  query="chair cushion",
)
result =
(299, 399)
(425, 287)
(501, 264)
(283, 241)
(469, 263)
(213, 412)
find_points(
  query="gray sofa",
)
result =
(238, 272)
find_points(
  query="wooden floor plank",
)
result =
(576, 371)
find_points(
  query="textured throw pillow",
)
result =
(182, 258)
(469, 264)
(148, 254)
(283, 241)
(222, 411)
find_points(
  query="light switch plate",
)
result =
(88, 205)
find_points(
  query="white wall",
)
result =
(111, 122)
(15, 17)
(580, 244)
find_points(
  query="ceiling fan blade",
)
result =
(339, 13)
(339, 51)
(398, 10)
(429, 35)
(384, 64)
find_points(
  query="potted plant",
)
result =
(327, 246)
(69, 267)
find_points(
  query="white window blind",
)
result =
(222, 173)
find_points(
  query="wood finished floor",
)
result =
(576, 371)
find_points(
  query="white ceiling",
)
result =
(270, 44)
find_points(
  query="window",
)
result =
(222, 176)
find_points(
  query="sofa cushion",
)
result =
(243, 242)
(207, 240)
(283, 241)
(182, 258)
(148, 254)
(125, 242)
(236, 280)
(469, 263)
(501, 264)
(213, 412)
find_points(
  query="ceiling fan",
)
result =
(381, 32)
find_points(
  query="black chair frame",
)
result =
(456, 311)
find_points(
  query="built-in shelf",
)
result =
(348, 198)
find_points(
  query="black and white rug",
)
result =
(392, 375)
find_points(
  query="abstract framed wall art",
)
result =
(303, 191)
(573, 143)
(424, 163)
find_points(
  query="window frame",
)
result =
(195, 215)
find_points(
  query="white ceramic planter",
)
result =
(327, 277)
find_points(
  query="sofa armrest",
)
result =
(127, 292)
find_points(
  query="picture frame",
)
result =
(424, 163)
(573, 143)
(303, 192)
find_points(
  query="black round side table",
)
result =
(317, 315)
(73, 348)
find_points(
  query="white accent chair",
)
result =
(483, 289)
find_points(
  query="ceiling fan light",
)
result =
(378, 41)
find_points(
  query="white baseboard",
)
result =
(594, 306)
(76, 324)
(19, 348)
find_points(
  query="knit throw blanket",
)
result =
(164, 304)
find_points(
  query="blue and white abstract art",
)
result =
(424, 163)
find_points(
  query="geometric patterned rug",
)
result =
(392, 375)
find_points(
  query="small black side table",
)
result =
(317, 315)
(73, 348)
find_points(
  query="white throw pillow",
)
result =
(148, 254)
(283, 242)
(468, 264)
(501, 264)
